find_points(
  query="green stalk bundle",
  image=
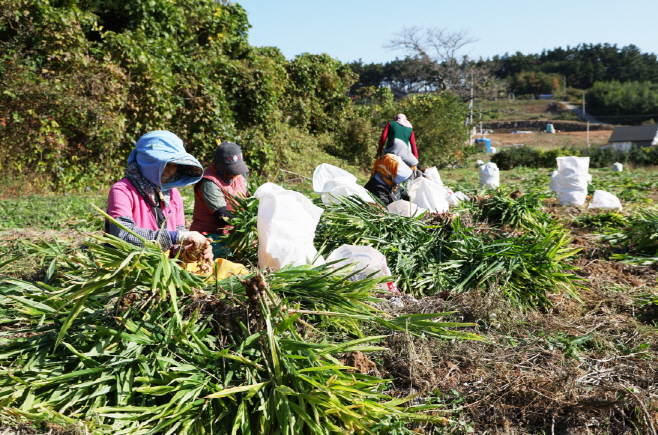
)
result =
(130, 343)
(500, 208)
(639, 239)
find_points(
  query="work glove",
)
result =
(416, 174)
(192, 252)
(194, 238)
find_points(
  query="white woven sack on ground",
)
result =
(325, 172)
(617, 167)
(456, 198)
(286, 227)
(570, 183)
(489, 175)
(433, 174)
(605, 200)
(429, 195)
(405, 208)
(334, 189)
(365, 260)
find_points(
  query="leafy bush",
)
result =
(530, 157)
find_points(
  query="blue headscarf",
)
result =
(157, 148)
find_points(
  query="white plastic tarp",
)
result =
(570, 182)
(429, 195)
(433, 174)
(286, 227)
(325, 173)
(405, 208)
(489, 175)
(365, 260)
(334, 189)
(605, 200)
(457, 197)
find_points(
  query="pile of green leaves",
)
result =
(639, 240)
(514, 209)
(431, 254)
(605, 220)
(126, 341)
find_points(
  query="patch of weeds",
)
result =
(52, 212)
(570, 345)
(611, 219)
(454, 402)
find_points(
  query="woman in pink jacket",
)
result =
(146, 200)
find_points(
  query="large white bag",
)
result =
(570, 182)
(429, 195)
(617, 167)
(489, 175)
(334, 189)
(286, 227)
(433, 174)
(365, 260)
(605, 200)
(405, 208)
(326, 172)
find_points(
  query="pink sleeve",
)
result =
(119, 202)
(178, 211)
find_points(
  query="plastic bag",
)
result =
(433, 174)
(326, 172)
(605, 200)
(429, 195)
(286, 227)
(366, 261)
(617, 167)
(489, 175)
(570, 182)
(457, 197)
(334, 189)
(405, 208)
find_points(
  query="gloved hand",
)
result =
(192, 253)
(195, 238)
(416, 174)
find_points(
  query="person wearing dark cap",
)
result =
(222, 179)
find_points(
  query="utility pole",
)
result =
(565, 88)
(587, 134)
(583, 103)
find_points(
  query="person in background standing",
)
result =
(400, 128)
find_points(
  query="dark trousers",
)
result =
(387, 194)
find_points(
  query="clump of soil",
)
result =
(361, 363)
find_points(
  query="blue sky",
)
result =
(358, 29)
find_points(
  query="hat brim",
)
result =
(237, 168)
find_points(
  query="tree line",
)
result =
(82, 80)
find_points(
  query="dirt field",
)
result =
(548, 141)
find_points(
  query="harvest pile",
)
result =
(510, 322)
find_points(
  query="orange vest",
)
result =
(203, 219)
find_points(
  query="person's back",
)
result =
(398, 131)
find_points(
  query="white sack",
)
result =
(457, 197)
(617, 167)
(433, 174)
(427, 194)
(479, 163)
(365, 260)
(605, 200)
(489, 175)
(268, 188)
(553, 185)
(570, 183)
(334, 189)
(405, 208)
(286, 227)
(326, 172)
